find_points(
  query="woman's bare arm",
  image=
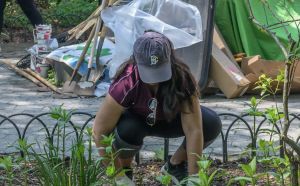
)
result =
(192, 127)
(106, 119)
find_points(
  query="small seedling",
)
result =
(8, 165)
(250, 170)
(205, 179)
(23, 146)
(164, 179)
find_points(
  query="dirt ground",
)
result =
(144, 173)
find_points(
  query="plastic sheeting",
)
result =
(179, 21)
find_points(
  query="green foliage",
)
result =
(250, 170)
(273, 115)
(51, 78)
(283, 169)
(140, 178)
(159, 154)
(23, 146)
(76, 7)
(253, 111)
(62, 118)
(266, 84)
(60, 7)
(204, 177)
(164, 179)
(8, 166)
(51, 170)
(61, 115)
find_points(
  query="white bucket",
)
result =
(42, 69)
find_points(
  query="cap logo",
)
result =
(154, 60)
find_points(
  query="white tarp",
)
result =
(179, 21)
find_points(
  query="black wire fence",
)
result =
(67, 21)
(42, 122)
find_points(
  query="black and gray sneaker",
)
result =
(129, 173)
(177, 172)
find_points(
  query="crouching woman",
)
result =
(155, 94)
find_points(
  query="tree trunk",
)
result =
(294, 166)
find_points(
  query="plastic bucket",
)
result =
(42, 70)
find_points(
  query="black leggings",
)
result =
(29, 10)
(131, 129)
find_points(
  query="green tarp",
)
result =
(242, 35)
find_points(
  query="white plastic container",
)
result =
(43, 31)
(42, 69)
(43, 27)
(42, 36)
(41, 42)
(42, 48)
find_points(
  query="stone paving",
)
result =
(16, 96)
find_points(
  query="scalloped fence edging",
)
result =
(78, 133)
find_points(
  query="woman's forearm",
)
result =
(194, 141)
(102, 152)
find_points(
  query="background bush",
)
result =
(48, 7)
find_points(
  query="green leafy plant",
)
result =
(51, 78)
(253, 111)
(23, 146)
(159, 154)
(250, 170)
(8, 166)
(164, 179)
(266, 160)
(140, 178)
(52, 7)
(111, 156)
(62, 118)
(77, 7)
(266, 83)
(273, 115)
(79, 170)
(205, 179)
(283, 169)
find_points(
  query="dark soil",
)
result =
(144, 172)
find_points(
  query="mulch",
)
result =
(144, 173)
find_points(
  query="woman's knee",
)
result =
(130, 128)
(212, 125)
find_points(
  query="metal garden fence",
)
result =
(223, 136)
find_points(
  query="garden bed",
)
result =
(144, 173)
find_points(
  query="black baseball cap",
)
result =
(152, 54)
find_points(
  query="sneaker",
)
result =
(177, 172)
(129, 173)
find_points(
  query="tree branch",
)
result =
(292, 18)
(272, 34)
(297, 140)
(289, 21)
(266, 29)
(286, 30)
(291, 143)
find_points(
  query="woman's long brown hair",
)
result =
(179, 88)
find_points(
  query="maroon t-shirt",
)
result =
(132, 93)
